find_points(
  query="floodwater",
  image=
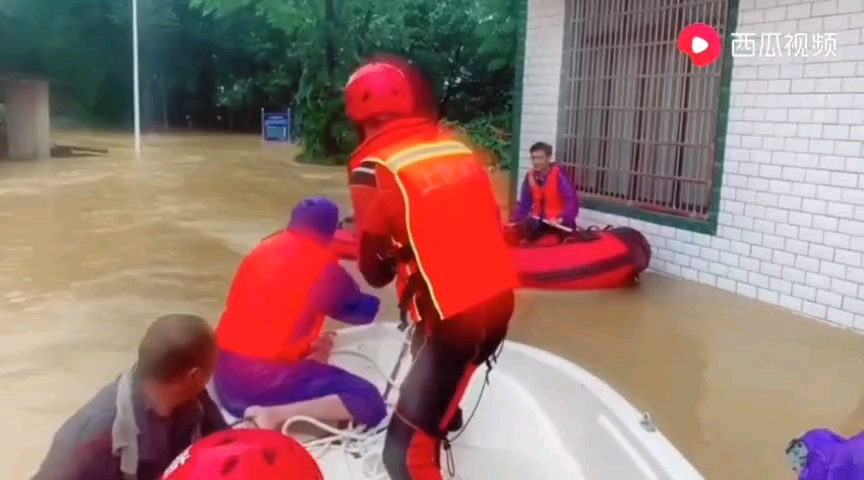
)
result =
(93, 248)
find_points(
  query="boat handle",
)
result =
(647, 424)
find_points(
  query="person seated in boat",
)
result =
(244, 454)
(547, 200)
(138, 423)
(273, 361)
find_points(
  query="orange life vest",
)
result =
(361, 180)
(451, 232)
(362, 192)
(546, 199)
(269, 299)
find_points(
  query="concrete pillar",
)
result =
(28, 119)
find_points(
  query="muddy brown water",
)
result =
(93, 248)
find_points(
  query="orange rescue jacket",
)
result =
(361, 178)
(546, 199)
(268, 302)
(449, 222)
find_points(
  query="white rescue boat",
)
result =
(539, 418)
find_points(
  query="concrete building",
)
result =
(27, 125)
(746, 175)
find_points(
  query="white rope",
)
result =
(355, 440)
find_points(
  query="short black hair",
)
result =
(541, 147)
(173, 345)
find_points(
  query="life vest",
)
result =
(361, 172)
(269, 313)
(362, 189)
(546, 199)
(453, 239)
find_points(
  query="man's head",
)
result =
(541, 156)
(317, 216)
(384, 89)
(176, 358)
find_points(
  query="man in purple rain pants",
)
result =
(547, 199)
(269, 392)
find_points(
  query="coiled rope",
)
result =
(358, 441)
(362, 442)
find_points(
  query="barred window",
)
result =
(637, 120)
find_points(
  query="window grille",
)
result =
(637, 120)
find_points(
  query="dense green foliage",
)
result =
(217, 63)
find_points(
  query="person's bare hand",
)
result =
(322, 347)
(324, 342)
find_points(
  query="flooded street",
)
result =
(94, 248)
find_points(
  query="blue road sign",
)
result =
(276, 126)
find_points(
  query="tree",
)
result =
(217, 63)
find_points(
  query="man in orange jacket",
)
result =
(434, 225)
(273, 359)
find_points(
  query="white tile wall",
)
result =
(543, 49)
(791, 223)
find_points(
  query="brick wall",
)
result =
(791, 223)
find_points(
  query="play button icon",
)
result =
(701, 43)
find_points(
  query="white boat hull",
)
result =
(540, 418)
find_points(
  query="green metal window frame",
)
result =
(708, 226)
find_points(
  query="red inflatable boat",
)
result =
(585, 260)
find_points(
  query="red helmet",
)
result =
(387, 87)
(244, 454)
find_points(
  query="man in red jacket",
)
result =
(431, 221)
(273, 357)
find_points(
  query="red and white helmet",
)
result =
(245, 454)
(386, 88)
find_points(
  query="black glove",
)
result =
(375, 263)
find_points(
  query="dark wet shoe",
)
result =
(456, 422)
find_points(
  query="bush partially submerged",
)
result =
(490, 135)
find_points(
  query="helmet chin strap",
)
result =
(360, 131)
(371, 127)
